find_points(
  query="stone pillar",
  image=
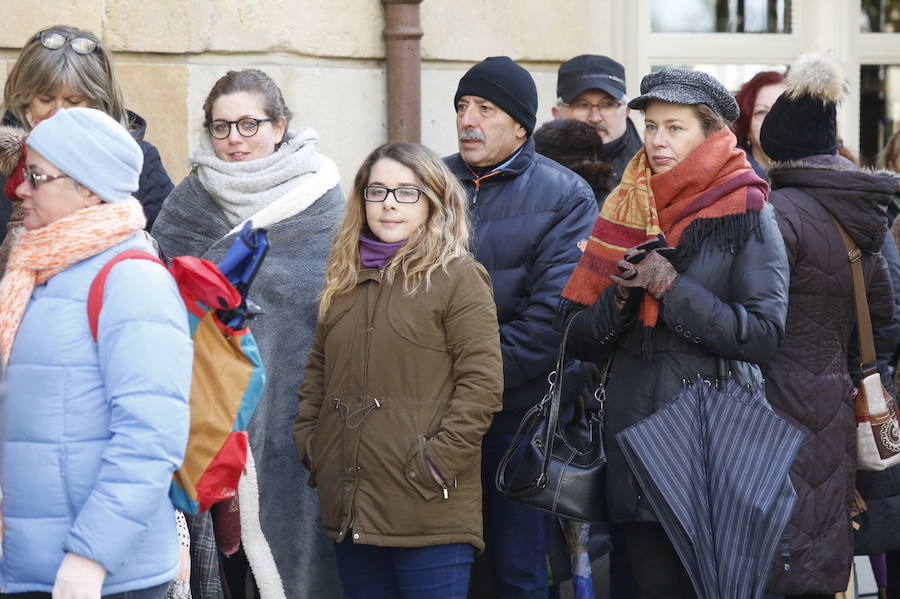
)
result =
(402, 32)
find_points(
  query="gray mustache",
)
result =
(471, 135)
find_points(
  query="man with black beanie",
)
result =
(530, 217)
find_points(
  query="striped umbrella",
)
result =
(715, 466)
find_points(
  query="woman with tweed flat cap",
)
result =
(716, 288)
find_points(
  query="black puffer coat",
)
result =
(808, 382)
(696, 326)
(528, 221)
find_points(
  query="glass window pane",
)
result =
(721, 16)
(880, 16)
(879, 104)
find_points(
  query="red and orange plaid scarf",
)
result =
(714, 181)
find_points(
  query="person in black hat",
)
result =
(530, 215)
(591, 89)
(808, 382)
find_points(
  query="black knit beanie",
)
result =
(803, 121)
(504, 83)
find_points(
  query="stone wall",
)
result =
(327, 55)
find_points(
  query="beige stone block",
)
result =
(23, 18)
(346, 105)
(439, 118)
(158, 92)
(350, 28)
(157, 25)
(529, 30)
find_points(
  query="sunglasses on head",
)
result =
(54, 40)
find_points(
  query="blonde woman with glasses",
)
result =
(61, 67)
(401, 383)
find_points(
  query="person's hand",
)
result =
(653, 273)
(78, 577)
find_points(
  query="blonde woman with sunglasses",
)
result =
(62, 67)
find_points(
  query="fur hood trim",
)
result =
(11, 143)
(817, 75)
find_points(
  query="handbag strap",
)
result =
(553, 395)
(868, 365)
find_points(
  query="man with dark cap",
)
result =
(530, 216)
(591, 89)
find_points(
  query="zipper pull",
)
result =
(446, 492)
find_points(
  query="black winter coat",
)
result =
(808, 382)
(528, 221)
(154, 185)
(696, 327)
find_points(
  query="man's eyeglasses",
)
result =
(583, 107)
(404, 195)
(245, 127)
(37, 180)
(54, 40)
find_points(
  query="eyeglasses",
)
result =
(37, 180)
(584, 107)
(404, 195)
(54, 40)
(245, 127)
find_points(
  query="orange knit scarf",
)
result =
(41, 253)
(714, 182)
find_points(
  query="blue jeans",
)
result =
(157, 592)
(436, 572)
(515, 535)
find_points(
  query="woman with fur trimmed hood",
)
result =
(808, 381)
(62, 67)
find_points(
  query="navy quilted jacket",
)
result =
(528, 219)
(155, 184)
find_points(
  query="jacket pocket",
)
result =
(310, 464)
(418, 472)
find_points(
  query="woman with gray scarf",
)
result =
(251, 166)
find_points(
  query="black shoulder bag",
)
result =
(558, 469)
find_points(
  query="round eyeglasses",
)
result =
(246, 127)
(54, 40)
(403, 195)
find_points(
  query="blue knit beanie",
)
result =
(92, 148)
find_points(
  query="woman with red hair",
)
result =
(755, 98)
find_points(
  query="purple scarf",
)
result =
(374, 253)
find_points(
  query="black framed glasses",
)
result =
(37, 180)
(54, 40)
(246, 127)
(403, 195)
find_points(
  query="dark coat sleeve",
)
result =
(758, 281)
(155, 184)
(529, 343)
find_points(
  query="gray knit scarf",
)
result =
(242, 189)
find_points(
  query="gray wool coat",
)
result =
(286, 287)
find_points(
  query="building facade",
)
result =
(329, 56)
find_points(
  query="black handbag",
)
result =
(558, 469)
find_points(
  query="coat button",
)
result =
(356, 536)
(696, 339)
(687, 334)
(678, 328)
(412, 474)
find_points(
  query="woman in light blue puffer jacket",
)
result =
(93, 429)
